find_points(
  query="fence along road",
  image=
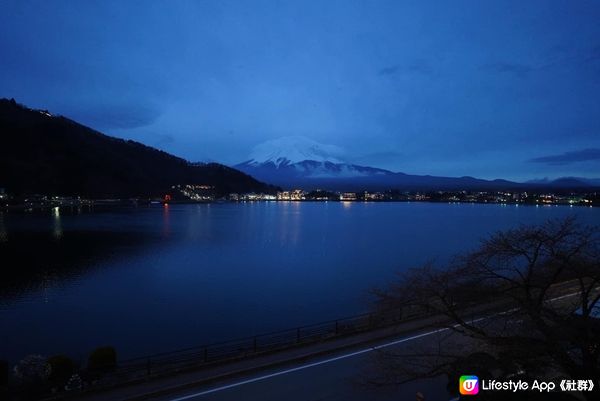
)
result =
(250, 353)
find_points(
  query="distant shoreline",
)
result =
(103, 204)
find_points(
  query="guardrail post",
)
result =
(298, 335)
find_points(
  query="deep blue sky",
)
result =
(491, 89)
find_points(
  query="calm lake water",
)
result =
(156, 279)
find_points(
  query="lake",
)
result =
(159, 278)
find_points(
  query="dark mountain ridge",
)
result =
(45, 154)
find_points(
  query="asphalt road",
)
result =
(337, 377)
(340, 377)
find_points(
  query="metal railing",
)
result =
(187, 359)
(196, 357)
(143, 368)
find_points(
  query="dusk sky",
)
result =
(504, 89)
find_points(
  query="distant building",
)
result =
(295, 195)
(348, 196)
(252, 197)
(373, 196)
(201, 193)
(284, 196)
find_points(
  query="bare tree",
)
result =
(525, 303)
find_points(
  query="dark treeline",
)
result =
(46, 154)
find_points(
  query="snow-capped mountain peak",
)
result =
(292, 160)
(294, 149)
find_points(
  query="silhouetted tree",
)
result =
(525, 304)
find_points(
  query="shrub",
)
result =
(102, 359)
(74, 383)
(32, 368)
(61, 369)
(32, 373)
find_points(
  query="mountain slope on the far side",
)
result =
(300, 162)
(45, 154)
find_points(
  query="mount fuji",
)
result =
(300, 162)
(295, 149)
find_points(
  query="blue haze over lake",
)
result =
(155, 279)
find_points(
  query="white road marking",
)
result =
(309, 365)
(337, 358)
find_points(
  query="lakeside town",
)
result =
(206, 194)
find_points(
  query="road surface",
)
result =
(342, 376)
(333, 375)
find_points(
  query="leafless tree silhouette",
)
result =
(524, 304)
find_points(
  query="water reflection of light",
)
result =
(289, 223)
(49, 281)
(3, 232)
(200, 225)
(58, 230)
(166, 220)
(346, 204)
